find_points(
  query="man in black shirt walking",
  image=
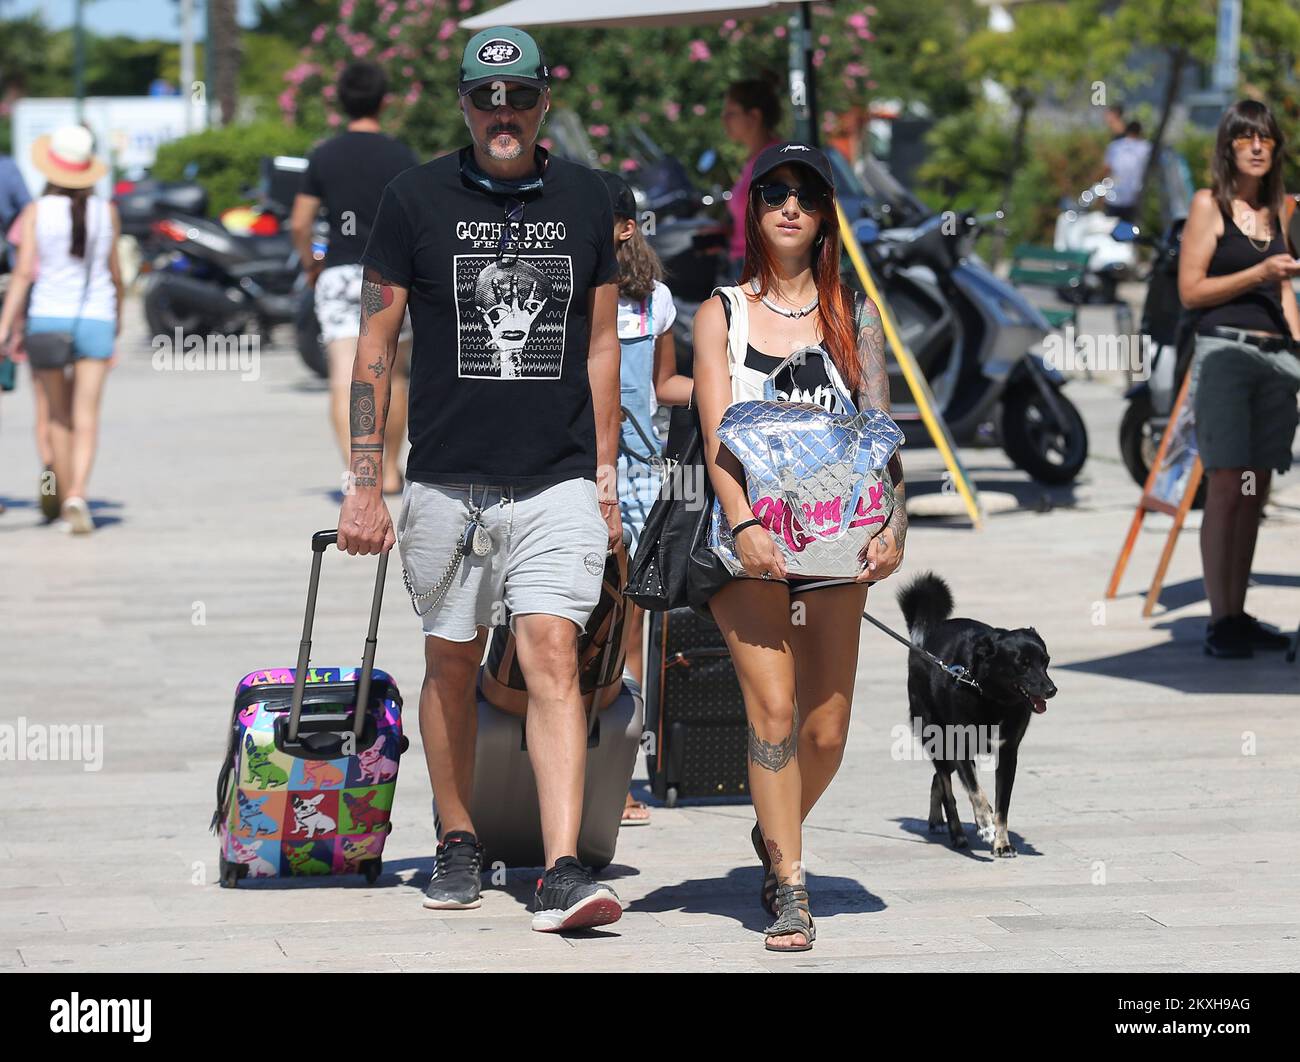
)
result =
(347, 174)
(504, 257)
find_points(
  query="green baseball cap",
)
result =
(502, 53)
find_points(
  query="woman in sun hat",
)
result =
(68, 260)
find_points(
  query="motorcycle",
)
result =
(1168, 336)
(1082, 227)
(973, 336)
(235, 273)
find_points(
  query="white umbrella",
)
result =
(615, 14)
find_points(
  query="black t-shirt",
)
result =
(806, 381)
(348, 173)
(499, 391)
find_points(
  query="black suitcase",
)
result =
(696, 732)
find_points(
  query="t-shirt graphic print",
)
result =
(511, 315)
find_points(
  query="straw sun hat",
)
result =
(67, 157)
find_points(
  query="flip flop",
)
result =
(636, 805)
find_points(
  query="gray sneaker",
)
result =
(457, 867)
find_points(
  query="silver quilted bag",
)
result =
(818, 481)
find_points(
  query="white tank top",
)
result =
(59, 276)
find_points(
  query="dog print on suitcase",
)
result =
(280, 815)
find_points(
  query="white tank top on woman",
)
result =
(59, 276)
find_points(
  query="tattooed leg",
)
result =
(772, 755)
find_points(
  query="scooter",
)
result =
(1168, 336)
(218, 277)
(1082, 227)
(974, 337)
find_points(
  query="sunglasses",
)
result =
(507, 255)
(1266, 142)
(486, 98)
(776, 193)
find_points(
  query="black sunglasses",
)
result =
(486, 98)
(510, 230)
(775, 194)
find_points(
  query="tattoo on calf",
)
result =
(774, 852)
(361, 415)
(772, 755)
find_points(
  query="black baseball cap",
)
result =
(620, 194)
(778, 155)
(502, 53)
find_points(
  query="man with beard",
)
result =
(504, 257)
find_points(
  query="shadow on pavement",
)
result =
(1180, 664)
(1192, 591)
(736, 896)
(979, 850)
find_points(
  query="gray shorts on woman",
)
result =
(548, 553)
(1244, 401)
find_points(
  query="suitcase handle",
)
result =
(321, 541)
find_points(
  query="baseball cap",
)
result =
(620, 194)
(771, 158)
(502, 53)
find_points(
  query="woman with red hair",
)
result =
(790, 638)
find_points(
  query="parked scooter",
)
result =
(1082, 226)
(217, 277)
(1169, 336)
(974, 337)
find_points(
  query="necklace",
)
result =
(803, 311)
(1250, 223)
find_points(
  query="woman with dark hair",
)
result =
(68, 261)
(1235, 275)
(751, 111)
(790, 638)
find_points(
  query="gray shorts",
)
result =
(548, 553)
(1244, 400)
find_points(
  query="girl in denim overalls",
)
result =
(648, 377)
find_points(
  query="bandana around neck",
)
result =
(475, 175)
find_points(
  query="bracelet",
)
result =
(744, 524)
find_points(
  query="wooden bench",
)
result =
(1045, 267)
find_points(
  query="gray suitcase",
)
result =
(504, 805)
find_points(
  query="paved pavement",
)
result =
(1154, 809)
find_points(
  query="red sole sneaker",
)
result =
(599, 909)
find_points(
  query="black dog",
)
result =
(1010, 667)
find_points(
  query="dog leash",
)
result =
(954, 671)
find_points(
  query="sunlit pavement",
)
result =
(1153, 812)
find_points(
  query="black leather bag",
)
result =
(673, 566)
(50, 350)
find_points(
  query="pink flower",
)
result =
(333, 119)
(547, 143)
(855, 70)
(288, 105)
(561, 73)
(779, 32)
(329, 92)
(729, 25)
(443, 54)
(362, 47)
(606, 158)
(597, 105)
(698, 110)
(465, 5)
(857, 21)
(627, 165)
(700, 52)
(672, 111)
(823, 40)
(318, 34)
(347, 8)
(872, 84)
(819, 57)
(408, 70)
(598, 130)
(413, 93)
(447, 28)
(394, 32)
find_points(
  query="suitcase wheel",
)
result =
(670, 797)
(372, 868)
(228, 874)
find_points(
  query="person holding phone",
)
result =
(1235, 275)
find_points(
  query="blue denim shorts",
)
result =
(90, 338)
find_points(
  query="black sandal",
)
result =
(792, 906)
(767, 894)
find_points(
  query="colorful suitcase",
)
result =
(307, 784)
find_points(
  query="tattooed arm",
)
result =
(885, 552)
(364, 523)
